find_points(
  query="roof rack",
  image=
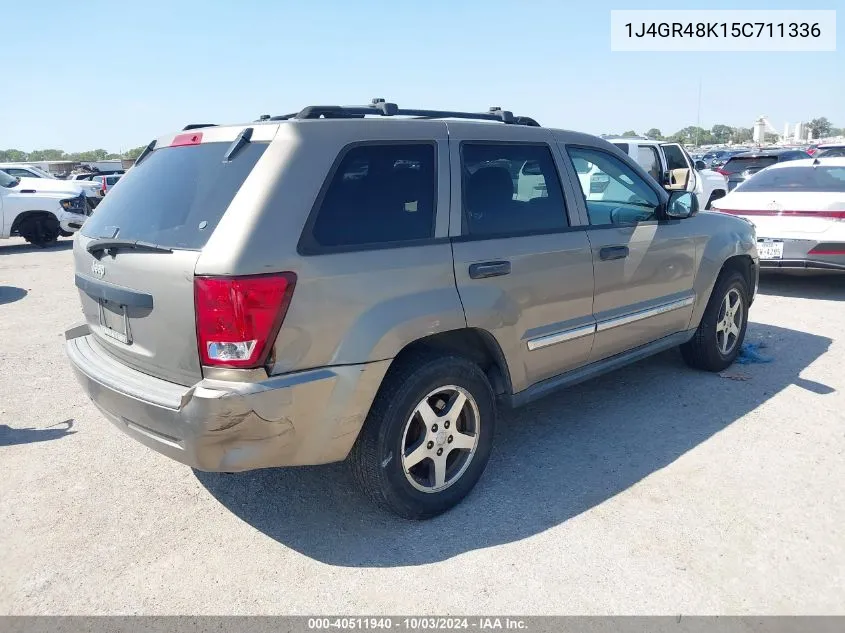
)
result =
(194, 126)
(380, 107)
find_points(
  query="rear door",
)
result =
(522, 260)
(644, 268)
(139, 303)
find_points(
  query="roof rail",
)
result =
(194, 126)
(380, 107)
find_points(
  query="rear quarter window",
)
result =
(378, 195)
(175, 197)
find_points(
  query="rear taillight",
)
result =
(238, 318)
(828, 248)
(719, 170)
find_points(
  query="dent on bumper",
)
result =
(309, 417)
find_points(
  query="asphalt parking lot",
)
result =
(656, 489)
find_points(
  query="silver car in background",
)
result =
(798, 208)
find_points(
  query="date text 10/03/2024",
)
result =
(418, 623)
(724, 29)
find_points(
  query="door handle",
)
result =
(613, 252)
(489, 269)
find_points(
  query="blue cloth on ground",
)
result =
(749, 353)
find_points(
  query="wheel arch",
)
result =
(716, 194)
(24, 216)
(475, 344)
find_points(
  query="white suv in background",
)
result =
(674, 169)
(38, 216)
(92, 190)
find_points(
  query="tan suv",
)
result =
(369, 282)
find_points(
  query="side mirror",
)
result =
(682, 204)
(700, 164)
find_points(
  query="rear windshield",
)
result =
(809, 179)
(832, 152)
(738, 164)
(175, 197)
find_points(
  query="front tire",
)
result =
(41, 231)
(718, 339)
(428, 436)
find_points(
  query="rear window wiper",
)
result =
(108, 244)
(238, 144)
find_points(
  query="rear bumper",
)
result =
(808, 254)
(801, 264)
(308, 417)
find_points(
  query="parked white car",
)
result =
(92, 190)
(798, 208)
(671, 166)
(39, 216)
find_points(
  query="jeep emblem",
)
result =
(98, 269)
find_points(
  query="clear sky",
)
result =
(115, 74)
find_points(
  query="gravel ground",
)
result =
(653, 490)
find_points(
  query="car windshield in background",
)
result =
(737, 165)
(7, 181)
(831, 152)
(803, 179)
(41, 172)
(175, 197)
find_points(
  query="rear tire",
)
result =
(427, 437)
(41, 231)
(718, 339)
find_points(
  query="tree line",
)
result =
(722, 134)
(718, 134)
(18, 156)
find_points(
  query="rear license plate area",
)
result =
(769, 249)
(114, 321)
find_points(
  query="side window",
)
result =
(379, 194)
(22, 173)
(614, 193)
(509, 189)
(675, 157)
(648, 159)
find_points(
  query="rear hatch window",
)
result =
(175, 197)
(738, 165)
